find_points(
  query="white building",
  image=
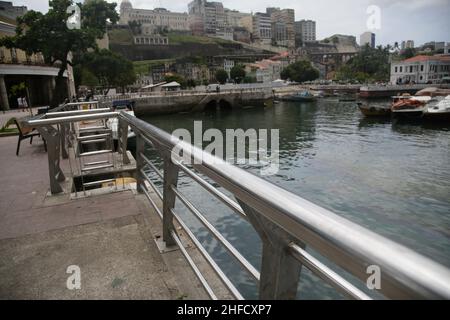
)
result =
(421, 69)
(158, 17)
(262, 28)
(367, 38)
(306, 30)
(228, 65)
(151, 40)
(266, 70)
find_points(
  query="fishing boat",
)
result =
(375, 111)
(439, 111)
(303, 96)
(409, 107)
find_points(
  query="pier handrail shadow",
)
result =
(295, 233)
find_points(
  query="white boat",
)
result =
(439, 111)
(407, 106)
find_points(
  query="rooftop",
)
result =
(421, 58)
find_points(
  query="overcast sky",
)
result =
(418, 20)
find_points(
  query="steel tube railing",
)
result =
(194, 266)
(219, 195)
(225, 280)
(230, 248)
(405, 272)
(74, 113)
(155, 169)
(70, 119)
(151, 184)
(326, 274)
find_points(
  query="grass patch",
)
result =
(144, 66)
(120, 36)
(177, 38)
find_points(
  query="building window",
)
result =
(395, 70)
(401, 69)
(421, 67)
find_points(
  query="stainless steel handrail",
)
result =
(405, 273)
(279, 213)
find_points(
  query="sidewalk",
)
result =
(110, 237)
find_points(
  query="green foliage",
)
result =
(49, 35)
(370, 64)
(135, 27)
(120, 36)
(88, 79)
(145, 66)
(177, 78)
(300, 71)
(18, 90)
(249, 79)
(106, 69)
(237, 73)
(190, 83)
(221, 76)
(408, 53)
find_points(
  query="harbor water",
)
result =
(391, 177)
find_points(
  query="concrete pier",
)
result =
(111, 237)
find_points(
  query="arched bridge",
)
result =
(192, 101)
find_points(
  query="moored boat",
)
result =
(375, 111)
(439, 111)
(303, 96)
(409, 107)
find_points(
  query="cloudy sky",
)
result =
(418, 20)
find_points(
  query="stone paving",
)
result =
(108, 236)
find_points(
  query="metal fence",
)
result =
(286, 223)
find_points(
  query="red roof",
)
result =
(421, 58)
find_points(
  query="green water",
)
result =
(393, 178)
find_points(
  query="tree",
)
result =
(249, 79)
(237, 73)
(109, 68)
(221, 76)
(408, 53)
(300, 71)
(370, 64)
(50, 35)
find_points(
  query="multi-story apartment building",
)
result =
(305, 30)
(286, 16)
(8, 10)
(421, 69)
(236, 19)
(407, 44)
(208, 15)
(262, 28)
(279, 34)
(367, 38)
(158, 17)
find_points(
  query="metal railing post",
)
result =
(122, 140)
(170, 179)
(63, 129)
(140, 147)
(280, 271)
(52, 138)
